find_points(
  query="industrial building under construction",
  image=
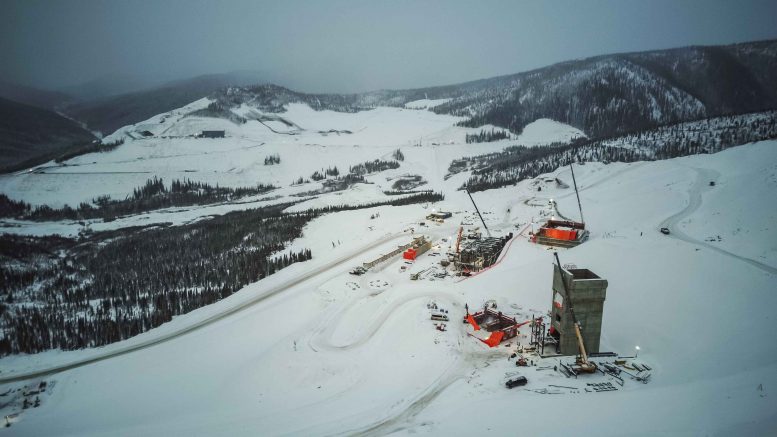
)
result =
(563, 233)
(478, 254)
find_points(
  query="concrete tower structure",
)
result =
(587, 292)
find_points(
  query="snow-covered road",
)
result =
(701, 185)
(189, 328)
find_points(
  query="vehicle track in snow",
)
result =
(401, 415)
(402, 420)
(700, 185)
(204, 322)
(322, 336)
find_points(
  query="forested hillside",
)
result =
(517, 163)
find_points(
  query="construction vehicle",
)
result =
(581, 363)
(516, 382)
(440, 316)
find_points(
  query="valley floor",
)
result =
(340, 354)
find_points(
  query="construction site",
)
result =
(562, 341)
(565, 341)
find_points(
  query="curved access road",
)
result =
(204, 322)
(703, 176)
(326, 330)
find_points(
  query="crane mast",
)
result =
(579, 205)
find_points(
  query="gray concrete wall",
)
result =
(588, 297)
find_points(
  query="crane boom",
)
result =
(579, 206)
(478, 211)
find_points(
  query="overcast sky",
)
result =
(352, 46)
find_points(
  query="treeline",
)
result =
(218, 110)
(151, 196)
(487, 136)
(408, 182)
(403, 192)
(89, 148)
(334, 181)
(68, 294)
(517, 163)
(323, 174)
(375, 166)
(419, 197)
(272, 159)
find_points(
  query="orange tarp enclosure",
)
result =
(560, 234)
(494, 339)
(472, 322)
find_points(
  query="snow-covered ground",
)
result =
(238, 159)
(425, 103)
(313, 350)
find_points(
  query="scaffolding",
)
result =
(479, 254)
(540, 338)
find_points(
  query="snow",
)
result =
(312, 350)
(545, 131)
(425, 103)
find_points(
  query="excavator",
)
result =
(582, 364)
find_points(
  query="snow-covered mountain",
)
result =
(108, 113)
(30, 135)
(603, 96)
(612, 94)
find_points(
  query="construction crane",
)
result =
(579, 206)
(458, 239)
(478, 211)
(583, 364)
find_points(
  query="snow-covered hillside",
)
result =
(319, 139)
(312, 350)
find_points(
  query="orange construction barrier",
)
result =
(494, 339)
(472, 322)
